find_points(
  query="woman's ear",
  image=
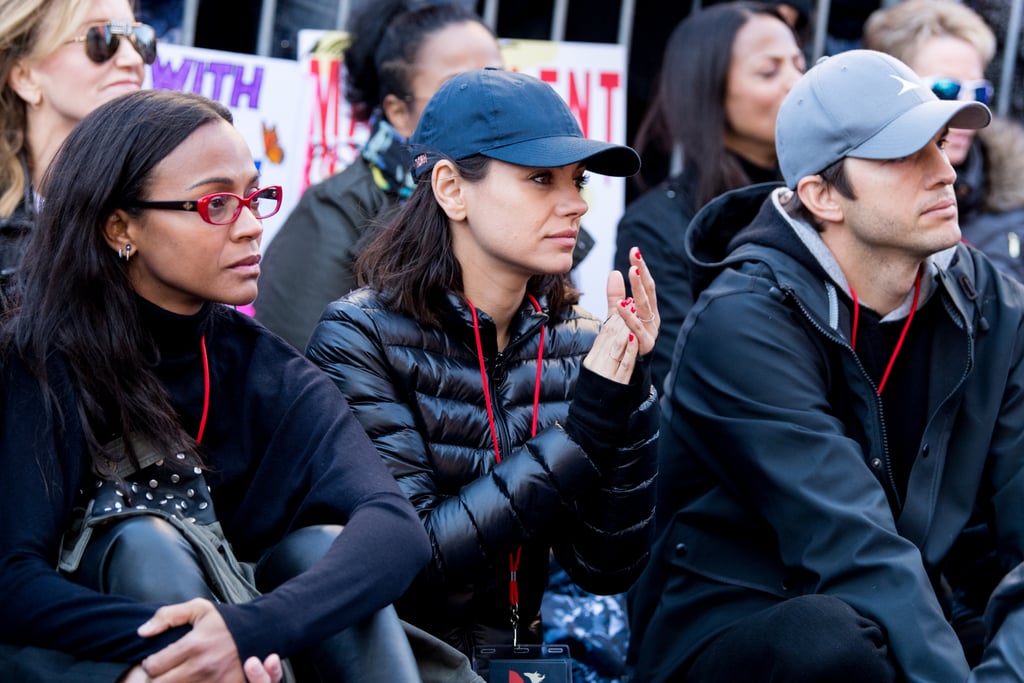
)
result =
(23, 81)
(447, 185)
(117, 230)
(396, 111)
(820, 198)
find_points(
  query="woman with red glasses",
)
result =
(949, 45)
(59, 60)
(176, 477)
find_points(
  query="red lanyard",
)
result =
(513, 558)
(903, 334)
(206, 390)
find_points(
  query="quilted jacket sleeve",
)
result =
(611, 531)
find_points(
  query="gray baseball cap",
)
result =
(863, 104)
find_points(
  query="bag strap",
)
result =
(120, 465)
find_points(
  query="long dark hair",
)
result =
(75, 295)
(411, 263)
(688, 107)
(386, 37)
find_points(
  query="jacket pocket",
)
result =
(738, 560)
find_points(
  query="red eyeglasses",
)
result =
(102, 40)
(222, 208)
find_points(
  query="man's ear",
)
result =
(396, 111)
(820, 199)
(22, 80)
(447, 185)
(117, 230)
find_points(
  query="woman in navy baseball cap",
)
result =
(515, 422)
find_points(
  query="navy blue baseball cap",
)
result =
(511, 117)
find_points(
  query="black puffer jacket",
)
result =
(584, 486)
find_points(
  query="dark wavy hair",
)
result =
(75, 296)
(386, 39)
(410, 260)
(688, 107)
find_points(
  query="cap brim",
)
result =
(604, 158)
(912, 131)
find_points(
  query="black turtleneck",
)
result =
(758, 174)
(283, 451)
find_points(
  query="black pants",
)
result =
(808, 639)
(147, 559)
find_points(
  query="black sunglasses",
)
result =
(102, 40)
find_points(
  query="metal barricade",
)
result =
(627, 9)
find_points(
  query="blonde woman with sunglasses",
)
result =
(950, 46)
(59, 60)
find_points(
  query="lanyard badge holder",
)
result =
(517, 663)
(523, 663)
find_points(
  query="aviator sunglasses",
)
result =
(102, 40)
(979, 90)
(222, 208)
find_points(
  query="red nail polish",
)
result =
(624, 303)
(631, 337)
(632, 309)
(638, 256)
(637, 271)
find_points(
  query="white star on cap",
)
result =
(907, 85)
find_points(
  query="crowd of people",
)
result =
(790, 445)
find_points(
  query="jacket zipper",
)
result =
(880, 412)
(495, 371)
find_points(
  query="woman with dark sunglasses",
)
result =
(950, 45)
(59, 60)
(176, 477)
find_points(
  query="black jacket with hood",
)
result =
(776, 462)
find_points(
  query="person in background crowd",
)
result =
(844, 396)
(166, 17)
(846, 20)
(59, 60)
(151, 434)
(401, 53)
(949, 45)
(725, 72)
(515, 422)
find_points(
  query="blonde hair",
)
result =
(23, 23)
(902, 29)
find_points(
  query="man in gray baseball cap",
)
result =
(846, 392)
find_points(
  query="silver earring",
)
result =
(125, 252)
